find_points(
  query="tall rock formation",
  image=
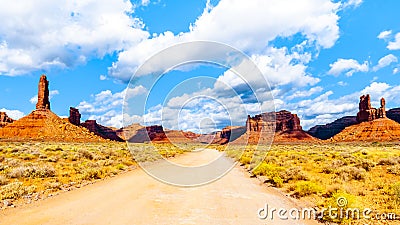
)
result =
(43, 102)
(367, 113)
(282, 121)
(74, 116)
(282, 126)
(4, 119)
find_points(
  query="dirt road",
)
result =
(137, 198)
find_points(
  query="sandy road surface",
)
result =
(136, 198)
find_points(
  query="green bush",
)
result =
(268, 170)
(305, 188)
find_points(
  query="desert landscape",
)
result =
(200, 112)
(44, 156)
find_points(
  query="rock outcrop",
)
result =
(367, 113)
(44, 125)
(74, 116)
(282, 121)
(394, 114)
(382, 129)
(43, 102)
(4, 119)
(329, 130)
(282, 126)
(100, 130)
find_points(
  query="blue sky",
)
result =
(318, 56)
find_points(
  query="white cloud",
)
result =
(44, 34)
(52, 93)
(103, 77)
(13, 114)
(395, 44)
(396, 70)
(306, 93)
(376, 89)
(342, 83)
(145, 2)
(352, 3)
(106, 106)
(261, 21)
(385, 61)
(385, 34)
(349, 66)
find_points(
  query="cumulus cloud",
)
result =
(306, 93)
(385, 34)
(13, 114)
(106, 106)
(385, 61)
(52, 93)
(260, 22)
(44, 34)
(349, 66)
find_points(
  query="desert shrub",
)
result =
(12, 162)
(327, 169)
(337, 163)
(331, 190)
(395, 192)
(3, 180)
(244, 160)
(120, 166)
(265, 169)
(293, 173)
(86, 154)
(388, 161)
(92, 173)
(305, 188)
(277, 181)
(53, 185)
(15, 190)
(349, 173)
(394, 169)
(32, 172)
(366, 165)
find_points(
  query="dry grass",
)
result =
(368, 174)
(35, 170)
